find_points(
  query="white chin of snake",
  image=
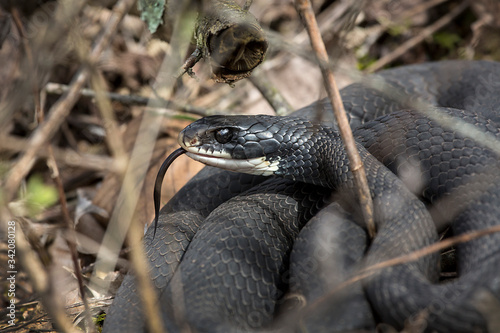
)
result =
(254, 166)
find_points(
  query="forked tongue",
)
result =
(159, 180)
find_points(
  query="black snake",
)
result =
(230, 250)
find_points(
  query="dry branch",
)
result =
(270, 93)
(403, 48)
(60, 110)
(305, 9)
(39, 277)
(57, 88)
(64, 156)
(123, 221)
(56, 176)
(231, 39)
(403, 259)
(71, 237)
(113, 135)
(46, 130)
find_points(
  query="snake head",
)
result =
(237, 143)
(258, 145)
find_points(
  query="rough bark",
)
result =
(228, 37)
(231, 39)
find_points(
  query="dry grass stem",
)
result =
(123, 217)
(66, 157)
(58, 113)
(56, 176)
(368, 271)
(60, 110)
(70, 236)
(23, 325)
(305, 9)
(38, 275)
(270, 93)
(421, 7)
(411, 43)
(333, 20)
(444, 244)
(59, 89)
(113, 135)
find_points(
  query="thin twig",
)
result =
(94, 302)
(57, 88)
(403, 48)
(44, 285)
(404, 259)
(123, 216)
(113, 135)
(446, 243)
(58, 113)
(71, 237)
(247, 5)
(270, 93)
(60, 110)
(29, 56)
(17, 328)
(419, 8)
(334, 20)
(188, 65)
(39, 278)
(305, 9)
(67, 157)
(70, 226)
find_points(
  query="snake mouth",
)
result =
(216, 146)
(259, 166)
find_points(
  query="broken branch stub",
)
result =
(230, 40)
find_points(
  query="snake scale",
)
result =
(233, 251)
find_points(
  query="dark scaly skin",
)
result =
(428, 75)
(403, 223)
(448, 165)
(396, 237)
(445, 158)
(314, 154)
(163, 253)
(323, 257)
(468, 85)
(245, 245)
(179, 220)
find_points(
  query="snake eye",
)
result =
(223, 135)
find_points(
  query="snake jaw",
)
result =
(259, 166)
(195, 144)
(258, 145)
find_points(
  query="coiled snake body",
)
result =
(230, 247)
